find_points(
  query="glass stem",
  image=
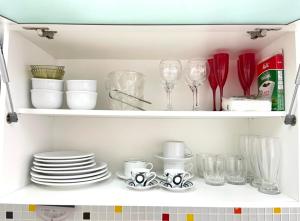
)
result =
(221, 95)
(214, 99)
(197, 97)
(169, 105)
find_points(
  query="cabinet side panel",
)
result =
(30, 134)
(289, 169)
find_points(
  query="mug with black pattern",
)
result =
(142, 176)
(176, 178)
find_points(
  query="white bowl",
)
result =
(49, 84)
(82, 85)
(46, 99)
(81, 100)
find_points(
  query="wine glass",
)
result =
(195, 73)
(247, 70)
(212, 79)
(221, 63)
(170, 71)
(241, 79)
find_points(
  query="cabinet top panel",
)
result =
(151, 12)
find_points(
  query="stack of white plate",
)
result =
(67, 168)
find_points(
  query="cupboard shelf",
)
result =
(150, 114)
(114, 192)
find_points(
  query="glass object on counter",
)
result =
(268, 162)
(195, 74)
(214, 170)
(244, 149)
(254, 143)
(236, 170)
(212, 80)
(221, 63)
(200, 164)
(170, 71)
(126, 82)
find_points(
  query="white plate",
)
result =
(100, 166)
(188, 186)
(65, 168)
(62, 177)
(186, 157)
(72, 184)
(62, 155)
(122, 176)
(47, 165)
(84, 179)
(152, 184)
(64, 160)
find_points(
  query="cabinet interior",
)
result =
(91, 52)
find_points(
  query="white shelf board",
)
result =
(115, 192)
(151, 114)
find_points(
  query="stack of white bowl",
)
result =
(81, 94)
(47, 93)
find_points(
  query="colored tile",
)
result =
(165, 217)
(86, 216)
(189, 217)
(9, 215)
(237, 210)
(276, 210)
(118, 209)
(31, 208)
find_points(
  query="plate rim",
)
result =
(65, 168)
(84, 154)
(64, 160)
(50, 165)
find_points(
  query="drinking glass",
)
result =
(268, 163)
(214, 170)
(170, 71)
(254, 145)
(244, 147)
(246, 70)
(212, 80)
(221, 63)
(236, 170)
(241, 79)
(200, 163)
(195, 73)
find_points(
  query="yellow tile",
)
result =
(118, 209)
(276, 210)
(189, 217)
(31, 208)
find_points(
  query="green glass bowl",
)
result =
(47, 71)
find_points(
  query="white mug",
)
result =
(176, 178)
(129, 165)
(142, 176)
(175, 149)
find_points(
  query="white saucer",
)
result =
(187, 186)
(84, 179)
(72, 184)
(64, 168)
(121, 175)
(62, 155)
(71, 164)
(152, 184)
(161, 176)
(186, 157)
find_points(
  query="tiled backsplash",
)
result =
(119, 213)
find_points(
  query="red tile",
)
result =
(165, 217)
(237, 210)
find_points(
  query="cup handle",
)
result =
(189, 167)
(188, 151)
(187, 176)
(150, 166)
(151, 177)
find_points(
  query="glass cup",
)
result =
(200, 164)
(268, 163)
(254, 144)
(214, 170)
(244, 148)
(236, 170)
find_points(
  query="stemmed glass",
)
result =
(212, 79)
(246, 71)
(221, 63)
(170, 71)
(195, 73)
